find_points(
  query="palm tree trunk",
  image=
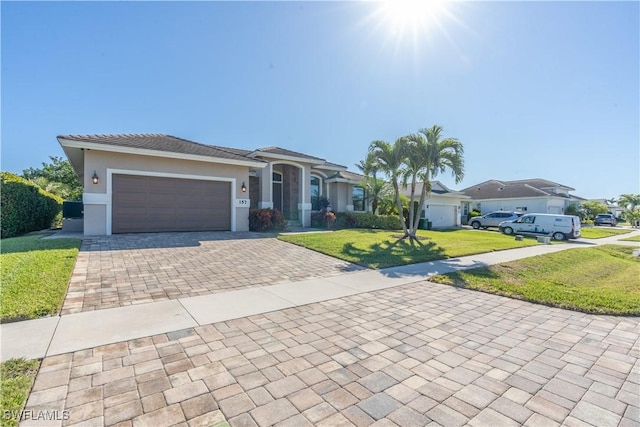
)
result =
(422, 197)
(412, 228)
(399, 203)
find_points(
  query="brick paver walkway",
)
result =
(120, 270)
(413, 355)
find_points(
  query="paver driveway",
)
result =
(120, 270)
(412, 355)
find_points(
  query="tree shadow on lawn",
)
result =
(396, 253)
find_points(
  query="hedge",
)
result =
(358, 220)
(266, 220)
(25, 206)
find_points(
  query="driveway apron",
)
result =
(121, 270)
(410, 355)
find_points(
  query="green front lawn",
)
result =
(34, 275)
(381, 248)
(632, 239)
(17, 378)
(602, 279)
(599, 233)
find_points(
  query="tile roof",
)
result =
(159, 142)
(494, 189)
(172, 144)
(539, 183)
(436, 188)
(351, 176)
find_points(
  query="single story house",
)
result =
(442, 205)
(156, 182)
(526, 195)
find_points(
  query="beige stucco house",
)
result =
(157, 182)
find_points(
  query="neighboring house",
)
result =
(614, 209)
(442, 206)
(526, 195)
(157, 182)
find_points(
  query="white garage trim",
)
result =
(95, 199)
(111, 172)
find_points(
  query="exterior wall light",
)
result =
(94, 178)
(243, 187)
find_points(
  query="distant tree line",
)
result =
(56, 177)
(587, 211)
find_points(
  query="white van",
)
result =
(560, 227)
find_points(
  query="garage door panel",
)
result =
(146, 204)
(443, 216)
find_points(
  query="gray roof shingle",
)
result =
(539, 183)
(494, 189)
(161, 142)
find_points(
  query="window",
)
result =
(521, 209)
(316, 193)
(358, 199)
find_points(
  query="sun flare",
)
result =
(412, 15)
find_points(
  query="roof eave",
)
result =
(268, 155)
(66, 143)
(331, 168)
(344, 180)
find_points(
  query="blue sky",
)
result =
(533, 89)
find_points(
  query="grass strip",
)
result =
(599, 233)
(601, 280)
(34, 274)
(17, 376)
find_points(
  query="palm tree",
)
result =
(429, 156)
(373, 186)
(390, 159)
(629, 201)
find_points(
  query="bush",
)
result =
(25, 206)
(367, 220)
(473, 213)
(266, 220)
(317, 220)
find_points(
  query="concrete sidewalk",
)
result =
(62, 334)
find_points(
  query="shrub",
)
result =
(367, 220)
(278, 220)
(25, 206)
(266, 220)
(473, 213)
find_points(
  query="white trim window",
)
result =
(316, 192)
(358, 197)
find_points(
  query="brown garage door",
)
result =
(146, 204)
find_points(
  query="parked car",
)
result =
(493, 219)
(560, 227)
(605, 219)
